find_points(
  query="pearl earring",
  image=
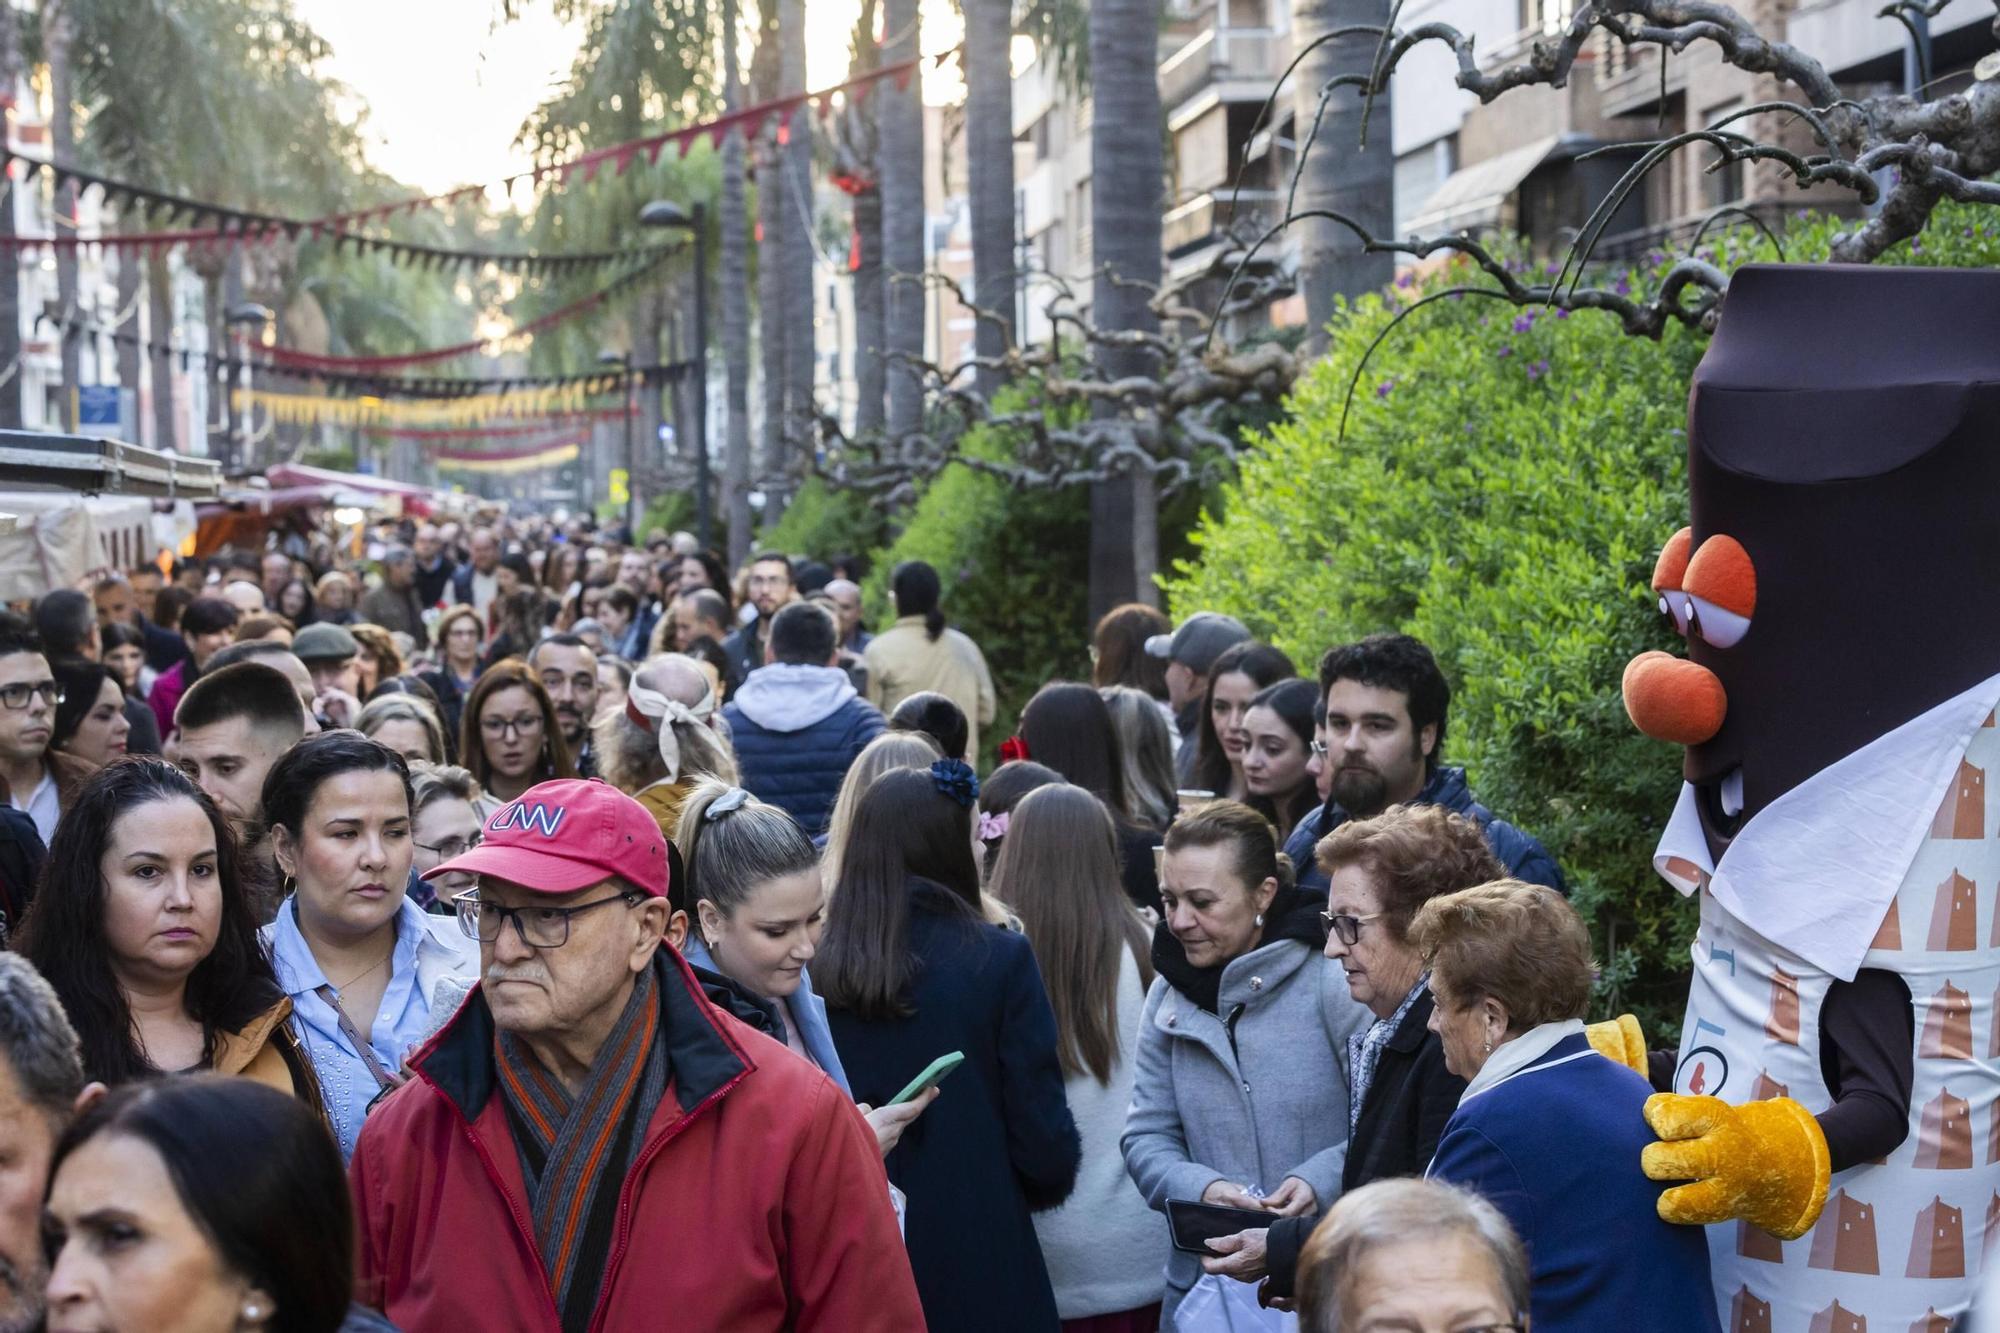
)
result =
(253, 1312)
(1489, 1046)
(1260, 918)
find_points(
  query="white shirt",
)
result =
(42, 806)
(485, 587)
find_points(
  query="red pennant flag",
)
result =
(653, 153)
(784, 133)
(590, 169)
(854, 252)
(624, 160)
(683, 142)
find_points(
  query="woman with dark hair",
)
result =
(359, 959)
(209, 626)
(1104, 1247)
(227, 1209)
(518, 620)
(702, 570)
(379, 658)
(998, 795)
(919, 652)
(144, 930)
(1240, 1089)
(124, 652)
(910, 972)
(1068, 727)
(168, 605)
(90, 727)
(1278, 737)
(938, 718)
(296, 603)
(1233, 682)
(1118, 653)
(509, 738)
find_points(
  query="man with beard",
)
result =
(41, 1088)
(1386, 703)
(770, 588)
(568, 671)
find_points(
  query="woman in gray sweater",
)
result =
(1240, 1096)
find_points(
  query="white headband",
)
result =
(660, 714)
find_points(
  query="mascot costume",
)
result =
(1835, 1113)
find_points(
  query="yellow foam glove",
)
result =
(1620, 1039)
(1765, 1162)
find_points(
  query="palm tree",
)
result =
(795, 240)
(58, 32)
(10, 279)
(766, 76)
(1127, 201)
(989, 147)
(1340, 172)
(900, 117)
(857, 152)
(735, 288)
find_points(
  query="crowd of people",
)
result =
(513, 927)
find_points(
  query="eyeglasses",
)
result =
(538, 927)
(1346, 927)
(453, 848)
(520, 726)
(17, 696)
(1319, 749)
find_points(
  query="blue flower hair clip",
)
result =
(955, 778)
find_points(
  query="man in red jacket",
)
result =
(591, 1145)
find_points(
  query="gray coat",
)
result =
(1270, 1105)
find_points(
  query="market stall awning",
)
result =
(58, 539)
(417, 500)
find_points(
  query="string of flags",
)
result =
(204, 223)
(510, 461)
(452, 403)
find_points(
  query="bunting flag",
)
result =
(365, 382)
(452, 403)
(226, 226)
(538, 426)
(508, 461)
(217, 224)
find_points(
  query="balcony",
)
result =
(1211, 215)
(1236, 64)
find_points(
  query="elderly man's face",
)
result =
(580, 985)
(845, 599)
(277, 573)
(27, 1140)
(485, 551)
(426, 543)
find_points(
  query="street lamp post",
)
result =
(623, 360)
(242, 318)
(665, 213)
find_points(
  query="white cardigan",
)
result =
(1105, 1249)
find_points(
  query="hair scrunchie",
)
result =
(659, 714)
(955, 778)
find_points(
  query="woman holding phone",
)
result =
(911, 971)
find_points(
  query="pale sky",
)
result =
(447, 86)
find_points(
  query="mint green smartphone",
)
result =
(931, 1077)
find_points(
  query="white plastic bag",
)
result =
(1218, 1304)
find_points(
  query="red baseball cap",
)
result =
(558, 837)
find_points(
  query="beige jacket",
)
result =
(904, 660)
(265, 1049)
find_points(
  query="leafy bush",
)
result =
(820, 523)
(1505, 482)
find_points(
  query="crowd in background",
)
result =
(563, 916)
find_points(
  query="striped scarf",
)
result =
(575, 1152)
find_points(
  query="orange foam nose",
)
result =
(1672, 699)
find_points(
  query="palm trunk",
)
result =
(765, 72)
(901, 135)
(57, 29)
(735, 285)
(989, 143)
(1127, 188)
(1338, 173)
(160, 329)
(870, 314)
(796, 207)
(10, 258)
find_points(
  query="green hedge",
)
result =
(1506, 480)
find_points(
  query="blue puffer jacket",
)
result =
(796, 731)
(1519, 852)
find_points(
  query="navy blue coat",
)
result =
(1555, 1146)
(1524, 858)
(796, 730)
(997, 1143)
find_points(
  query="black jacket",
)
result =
(1409, 1101)
(999, 1142)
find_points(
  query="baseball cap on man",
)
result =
(324, 643)
(1201, 638)
(558, 837)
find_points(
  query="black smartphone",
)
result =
(1195, 1224)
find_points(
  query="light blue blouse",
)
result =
(429, 949)
(808, 1011)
